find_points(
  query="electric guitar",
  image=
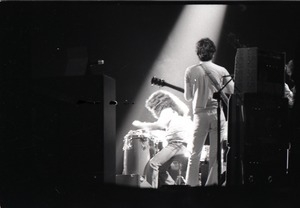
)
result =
(162, 83)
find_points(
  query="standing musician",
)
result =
(289, 85)
(172, 117)
(201, 81)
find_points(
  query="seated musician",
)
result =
(172, 117)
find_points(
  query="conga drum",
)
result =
(136, 152)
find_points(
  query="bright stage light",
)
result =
(194, 23)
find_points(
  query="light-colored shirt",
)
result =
(200, 89)
(178, 128)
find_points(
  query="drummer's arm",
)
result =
(160, 124)
(148, 125)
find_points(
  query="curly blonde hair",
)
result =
(161, 99)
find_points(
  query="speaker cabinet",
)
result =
(265, 119)
(258, 137)
(259, 71)
(265, 164)
(74, 119)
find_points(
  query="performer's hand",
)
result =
(137, 123)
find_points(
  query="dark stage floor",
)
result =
(48, 195)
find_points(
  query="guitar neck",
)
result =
(174, 87)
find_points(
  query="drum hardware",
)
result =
(180, 179)
(138, 134)
(139, 146)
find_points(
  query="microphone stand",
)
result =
(219, 158)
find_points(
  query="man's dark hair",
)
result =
(205, 49)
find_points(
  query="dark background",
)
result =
(36, 40)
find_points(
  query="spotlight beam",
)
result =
(195, 22)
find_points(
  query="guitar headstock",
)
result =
(157, 81)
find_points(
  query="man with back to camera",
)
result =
(201, 81)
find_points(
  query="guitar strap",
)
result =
(217, 85)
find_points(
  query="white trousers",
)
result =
(205, 123)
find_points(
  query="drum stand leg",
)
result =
(180, 179)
